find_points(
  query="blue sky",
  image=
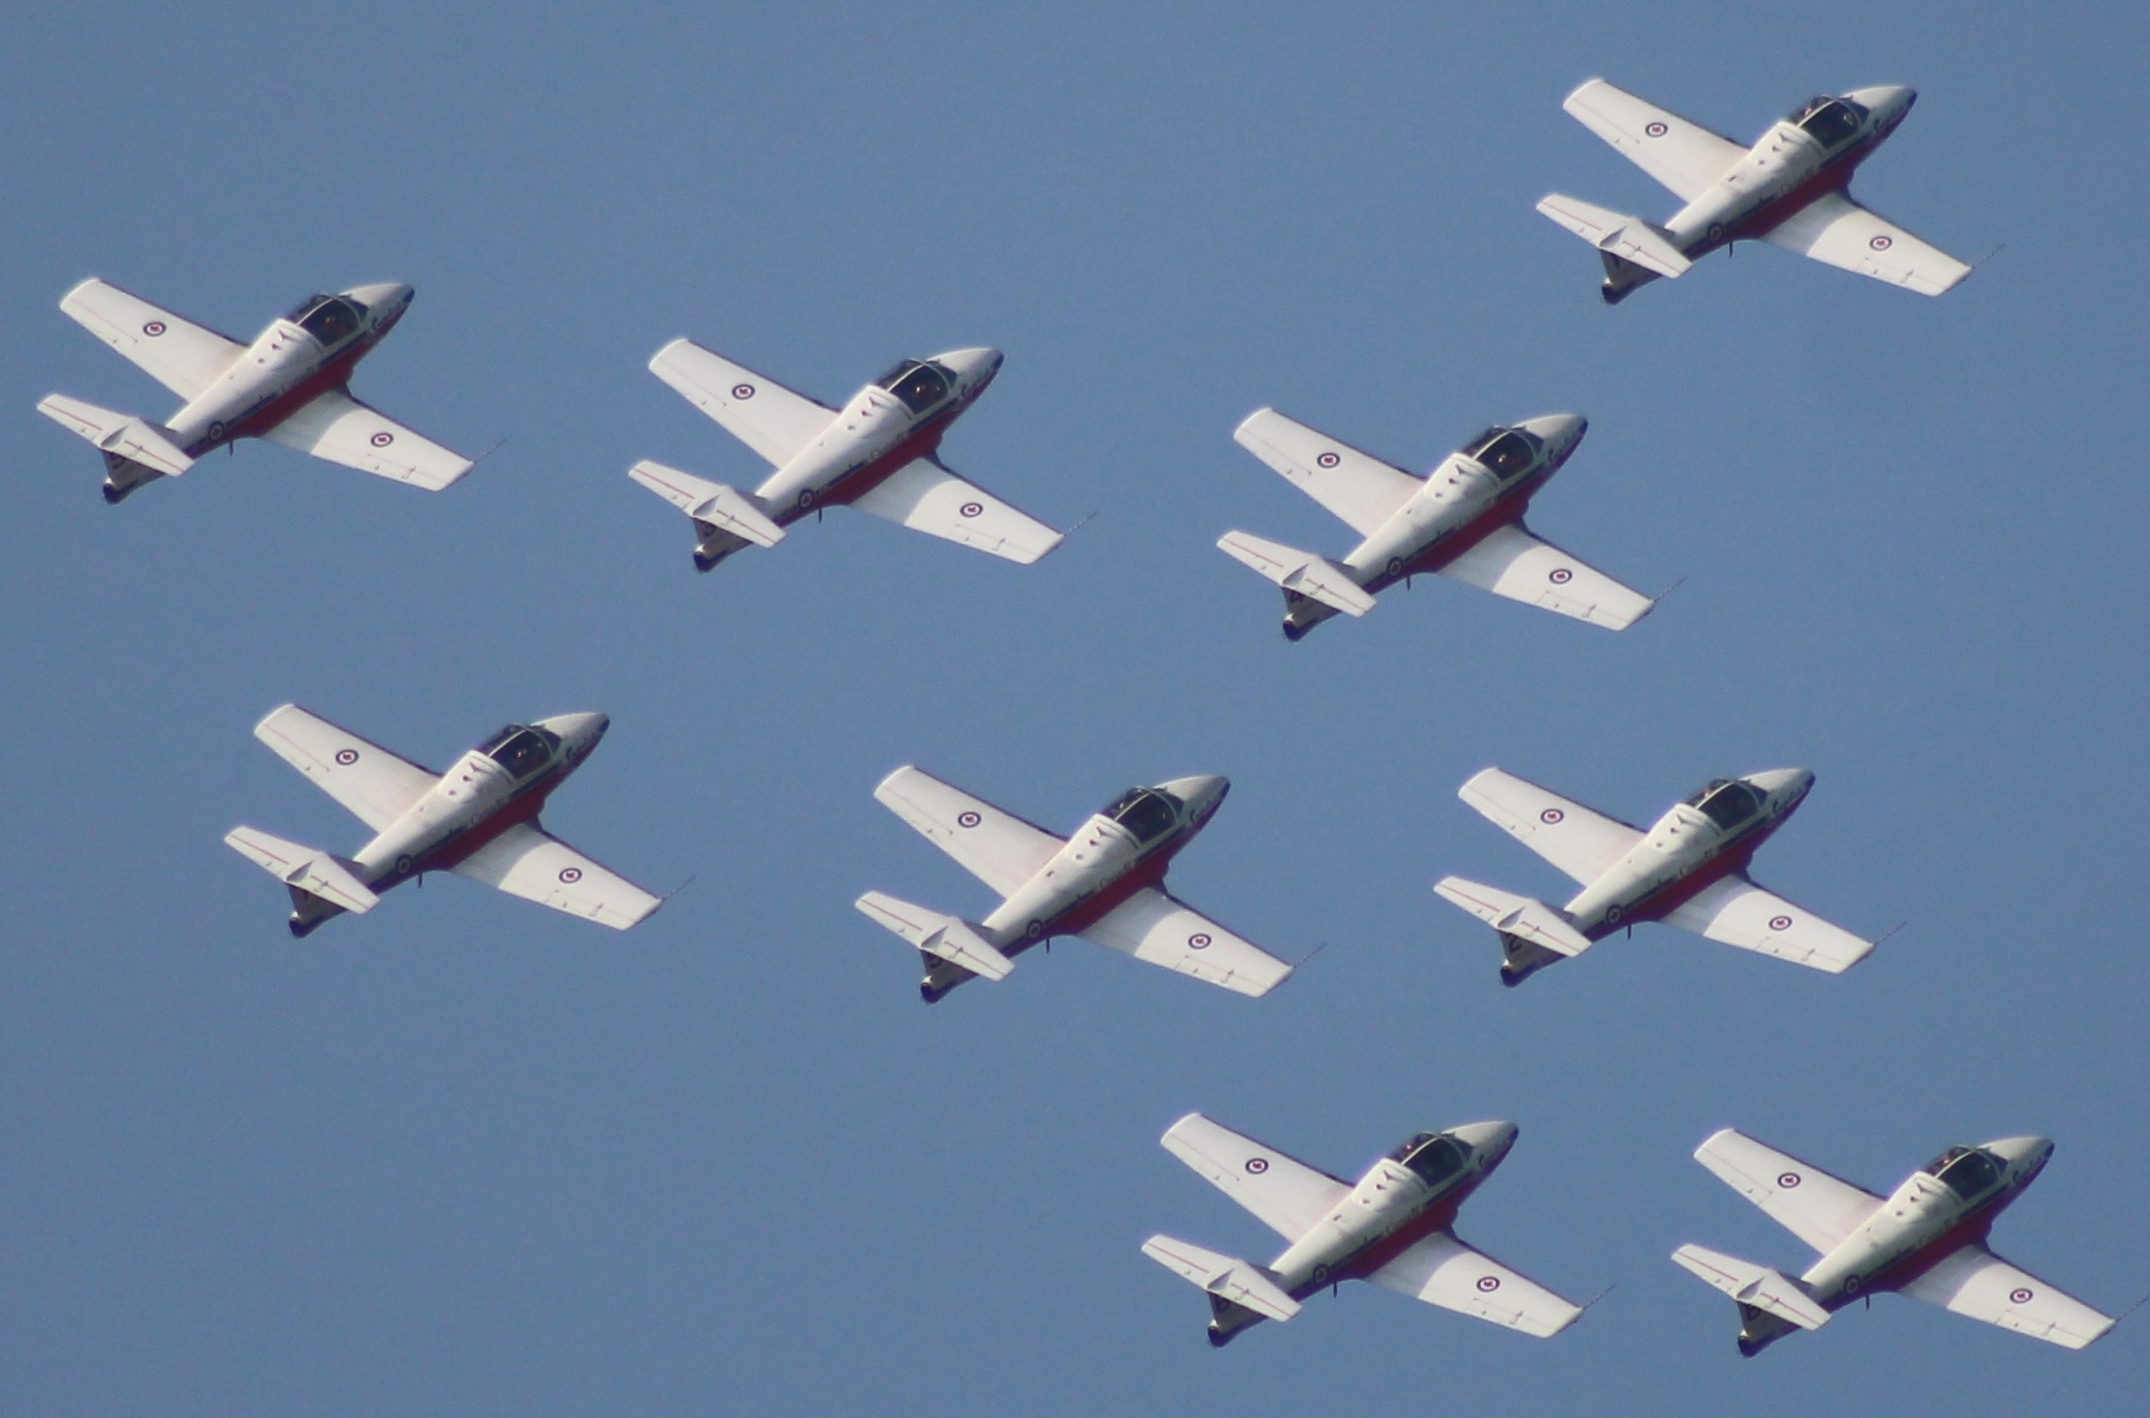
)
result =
(467, 1156)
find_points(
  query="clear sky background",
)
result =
(466, 1156)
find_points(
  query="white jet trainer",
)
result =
(1395, 1227)
(1689, 870)
(1105, 884)
(879, 453)
(1463, 520)
(1927, 1240)
(291, 386)
(479, 819)
(1787, 190)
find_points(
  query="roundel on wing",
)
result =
(972, 509)
(1328, 460)
(1198, 941)
(2021, 1295)
(968, 819)
(1655, 129)
(383, 439)
(153, 329)
(1560, 576)
(1487, 1284)
(347, 756)
(742, 391)
(1780, 923)
(1257, 1165)
(1882, 242)
(1551, 816)
(1788, 1180)
(571, 875)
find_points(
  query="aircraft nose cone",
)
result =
(973, 366)
(580, 731)
(1561, 432)
(2020, 1150)
(1491, 1140)
(392, 295)
(1201, 793)
(1795, 781)
(1885, 98)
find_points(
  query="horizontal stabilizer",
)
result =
(1514, 915)
(1309, 575)
(1618, 234)
(117, 435)
(317, 873)
(1227, 1277)
(1769, 1291)
(724, 508)
(948, 937)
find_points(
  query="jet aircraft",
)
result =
(1395, 1227)
(1105, 884)
(1787, 190)
(879, 453)
(1463, 520)
(479, 820)
(291, 386)
(1927, 1239)
(1689, 870)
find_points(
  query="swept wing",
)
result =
(1976, 1282)
(1512, 562)
(537, 866)
(339, 428)
(1356, 486)
(1163, 930)
(761, 413)
(184, 357)
(374, 785)
(1817, 1208)
(1284, 1193)
(1442, 1270)
(1735, 911)
(1684, 156)
(1839, 232)
(1579, 841)
(997, 847)
(924, 496)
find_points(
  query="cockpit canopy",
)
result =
(1149, 813)
(1727, 802)
(1507, 451)
(1967, 1171)
(1828, 120)
(920, 383)
(520, 750)
(1436, 1157)
(331, 319)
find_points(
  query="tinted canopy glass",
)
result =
(1829, 120)
(1437, 1160)
(1507, 451)
(331, 319)
(919, 383)
(1967, 1171)
(522, 751)
(1727, 803)
(1147, 812)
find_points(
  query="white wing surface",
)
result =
(1513, 563)
(1164, 930)
(761, 413)
(184, 357)
(1817, 1208)
(1839, 232)
(1735, 911)
(537, 866)
(926, 497)
(1442, 1270)
(1284, 1193)
(1976, 1282)
(339, 428)
(1356, 486)
(1580, 842)
(374, 785)
(1684, 156)
(997, 847)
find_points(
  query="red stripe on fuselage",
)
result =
(1970, 1229)
(921, 442)
(523, 807)
(333, 375)
(1674, 894)
(1440, 1216)
(1833, 175)
(1150, 871)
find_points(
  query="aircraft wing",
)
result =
(1356, 486)
(999, 848)
(339, 428)
(1164, 930)
(1683, 156)
(184, 357)
(1513, 563)
(374, 785)
(1735, 911)
(1580, 842)
(537, 866)
(1442, 1270)
(1839, 232)
(1285, 1194)
(761, 413)
(1974, 1281)
(926, 497)
(1806, 1201)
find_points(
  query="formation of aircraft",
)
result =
(878, 453)
(1688, 870)
(1463, 520)
(290, 386)
(1395, 1226)
(1788, 189)
(1105, 883)
(1926, 1239)
(478, 820)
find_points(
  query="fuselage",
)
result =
(295, 360)
(1699, 841)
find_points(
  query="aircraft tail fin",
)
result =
(1240, 1292)
(725, 518)
(943, 939)
(322, 885)
(1631, 241)
(1771, 1303)
(1533, 934)
(136, 451)
(1300, 573)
